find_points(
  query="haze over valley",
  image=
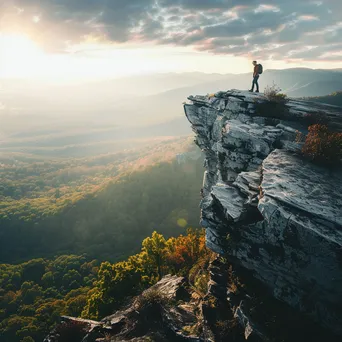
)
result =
(42, 114)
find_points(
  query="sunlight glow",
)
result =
(19, 56)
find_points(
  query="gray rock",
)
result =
(251, 329)
(230, 199)
(169, 286)
(169, 317)
(283, 215)
(296, 183)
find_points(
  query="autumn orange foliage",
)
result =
(186, 250)
(184, 256)
(323, 146)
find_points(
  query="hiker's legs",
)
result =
(253, 83)
(256, 78)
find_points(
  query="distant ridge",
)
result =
(140, 100)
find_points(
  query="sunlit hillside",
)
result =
(102, 205)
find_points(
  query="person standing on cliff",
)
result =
(256, 74)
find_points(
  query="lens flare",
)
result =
(181, 222)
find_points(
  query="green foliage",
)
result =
(154, 251)
(34, 188)
(36, 293)
(158, 257)
(114, 284)
(199, 275)
(71, 285)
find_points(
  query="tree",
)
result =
(114, 284)
(49, 313)
(154, 247)
(33, 270)
(27, 310)
(74, 306)
(27, 339)
(185, 251)
(48, 279)
(71, 277)
(29, 292)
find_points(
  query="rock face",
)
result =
(264, 207)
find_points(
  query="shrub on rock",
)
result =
(273, 94)
(151, 298)
(275, 106)
(323, 146)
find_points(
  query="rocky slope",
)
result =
(275, 216)
(160, 313)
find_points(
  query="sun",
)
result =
(19, 56)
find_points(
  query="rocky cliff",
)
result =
(274, 215)
(274, 221)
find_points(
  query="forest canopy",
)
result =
(36, 293)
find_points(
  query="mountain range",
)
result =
(125, 105)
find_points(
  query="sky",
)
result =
(64, 39)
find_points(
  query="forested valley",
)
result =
(98, 207)
(74, 232)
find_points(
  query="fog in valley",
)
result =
(37, 116)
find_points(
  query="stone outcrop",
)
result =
(160, 313)
(269, 211)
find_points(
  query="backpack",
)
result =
(261, 69)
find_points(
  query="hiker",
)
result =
(256, 73)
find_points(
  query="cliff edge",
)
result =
(274, 221)
(270, 212)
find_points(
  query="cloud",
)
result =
(264, 29)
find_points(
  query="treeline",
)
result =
(116, 283)
(34, 294)
(333, 99)
(110, 224)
